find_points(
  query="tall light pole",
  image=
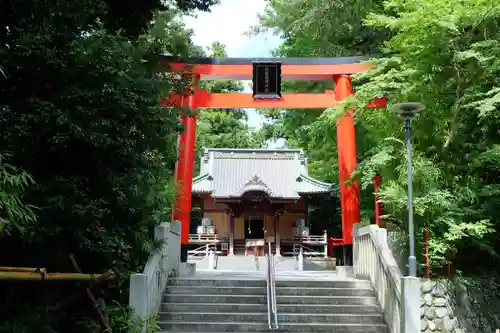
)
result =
(408, 111)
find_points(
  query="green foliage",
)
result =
(122, 320)
(90, 147)
(14, 214)
(444, 61)
(441, 53)
(316, 28)
(203, 5)
(115, 150)
(130, 18)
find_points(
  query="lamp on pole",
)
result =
(407, 111)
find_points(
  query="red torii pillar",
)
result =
(184, 167)
(346, 146)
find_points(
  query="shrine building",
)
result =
(249, 197)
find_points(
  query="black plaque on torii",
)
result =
(266, 79)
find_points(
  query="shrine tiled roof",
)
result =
(281, 173)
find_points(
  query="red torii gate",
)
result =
(335, 69)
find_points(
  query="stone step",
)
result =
(329, 308)
(261, 299)
(214, 298)
(324, 284)
(320, 291)
(215, 283)
(286, 291)
(213, 307)
(337, 300)
(282, 308)
(223, 290)
(279, 283)
(260, 317)
(212, 326)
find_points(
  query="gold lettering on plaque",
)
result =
(266, 79)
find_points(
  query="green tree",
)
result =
(80, 113)
(443, 56)
(440, 53)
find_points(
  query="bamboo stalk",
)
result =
(22, 269)
(55, 276)
(101, 316)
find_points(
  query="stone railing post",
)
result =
(161, 235)
(382, 236)
(146, 289)
(355, 248)
(138, 297)
(410, 289)
(174, 245)
(211, 260)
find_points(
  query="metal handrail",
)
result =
(205, 247)
(309, 251)
(273, 289)
(268, 294)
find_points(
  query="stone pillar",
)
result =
(410, 290)
(138, 296)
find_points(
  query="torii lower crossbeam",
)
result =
(205, 100)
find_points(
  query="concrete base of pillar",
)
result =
(184, 252)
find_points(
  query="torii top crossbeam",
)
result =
(292, 68)
(305, 69)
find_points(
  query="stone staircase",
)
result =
(230, 305)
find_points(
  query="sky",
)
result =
(227, 23)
